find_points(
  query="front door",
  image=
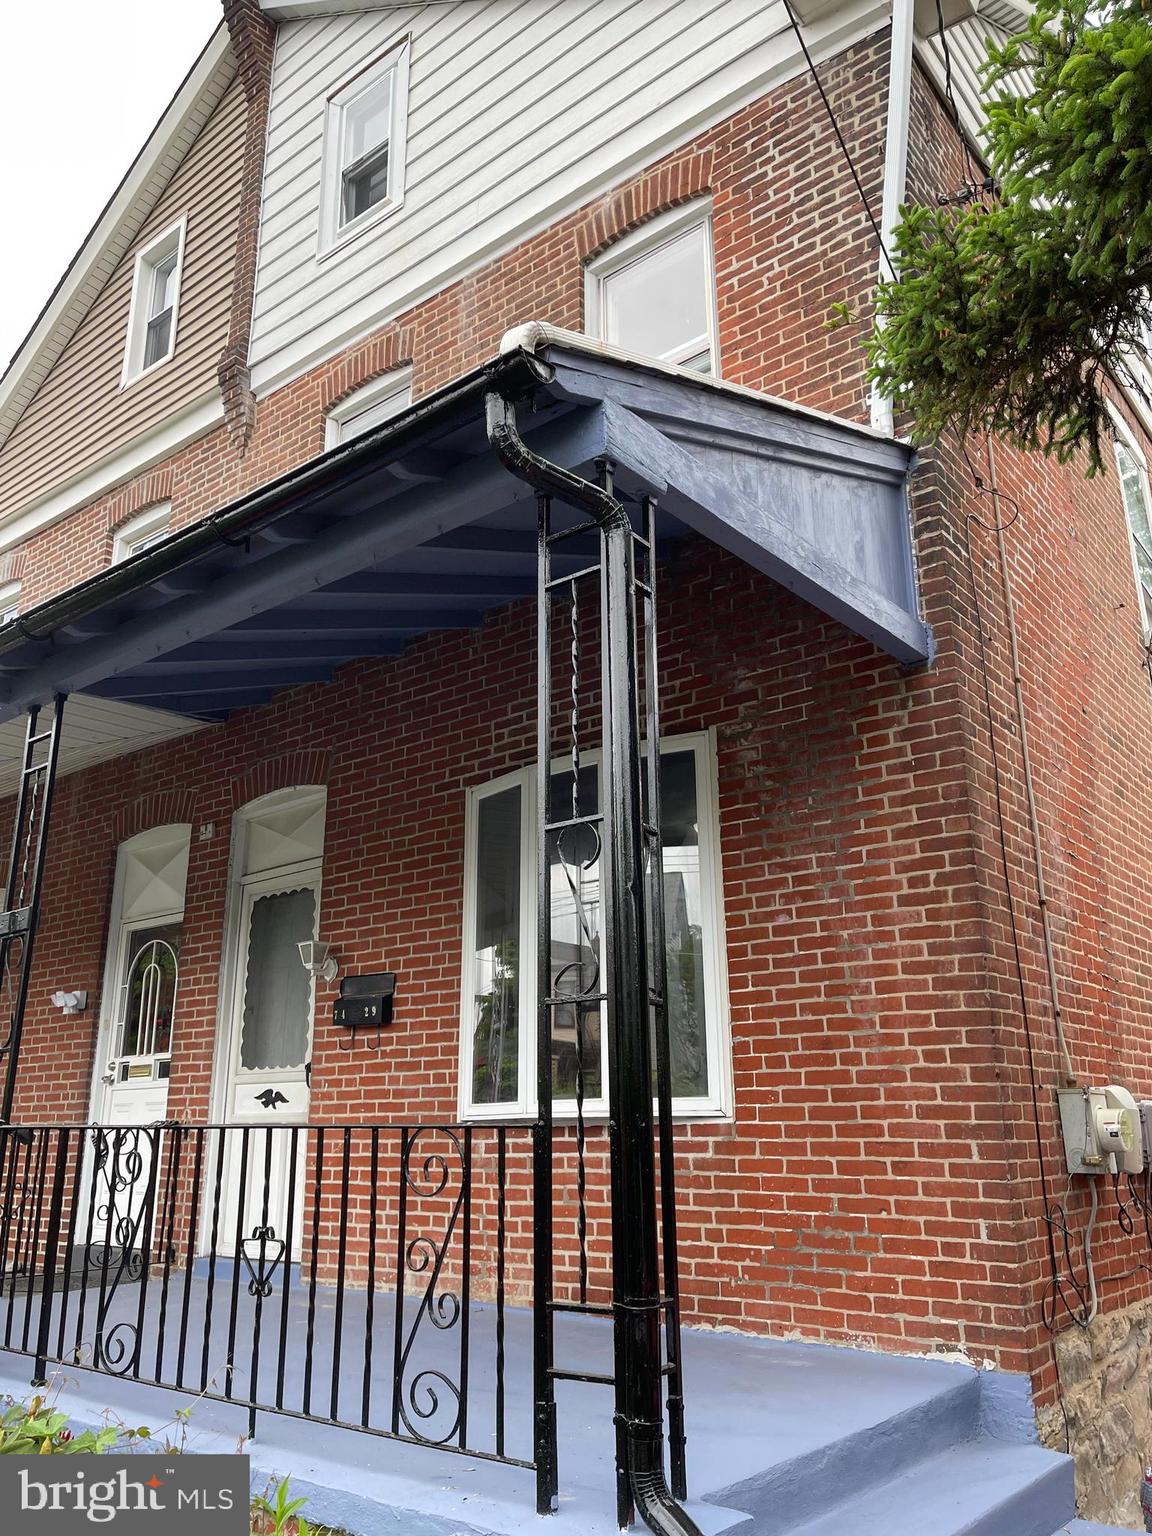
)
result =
(118, 1210)
(267, 1090)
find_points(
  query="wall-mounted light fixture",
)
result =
(70, 1002)
(318, 960)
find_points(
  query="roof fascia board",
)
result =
(302, 10)
(112, 235)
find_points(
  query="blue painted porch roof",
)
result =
(416, 527)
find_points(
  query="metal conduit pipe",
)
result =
(637, 1301)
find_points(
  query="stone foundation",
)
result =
(1106, 1371)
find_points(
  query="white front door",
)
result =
(269, 1059)
(140, 1001)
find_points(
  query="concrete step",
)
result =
(1087, 1528)
(841, 1433)
(981, 1488)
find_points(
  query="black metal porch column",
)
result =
(20, 917)
(629, 994)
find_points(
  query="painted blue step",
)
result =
(981, 1488)
(1087, 1528)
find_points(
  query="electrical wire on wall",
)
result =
(1071, 1295)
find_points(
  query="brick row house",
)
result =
(407, 323)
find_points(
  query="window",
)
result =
(142, 532)
(9, 601)
(363, 172)
(498, 1069)
(653, 292)
(1138, 509)
(155, 298)
(369, 407)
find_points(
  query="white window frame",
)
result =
(718, 1104)
(333, 231)
(9, 601)
(141, 532)
(381, 399)
(1123, 435)
(640, 243)
(148, 259)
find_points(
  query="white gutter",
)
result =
(534, 335)
(895, 161)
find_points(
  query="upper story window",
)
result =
(9, 601)
(654, 291)
(369, 407)
(155, 301)
(498, 1035)
(1138, 510)
(364, 132)
(142, 532)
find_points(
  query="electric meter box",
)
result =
(1102, 1129)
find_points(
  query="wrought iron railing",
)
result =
(360, 1275)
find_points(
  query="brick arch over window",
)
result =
(161, 808)
(293, 770)
(380, 354)
(625, 208)
(136, 496)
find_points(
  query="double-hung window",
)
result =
(142, 532)
(653, 292)
(9, 601)
(498, 1031)
(364, 132)
(369, 407)
(155, 302)
(1138, 509)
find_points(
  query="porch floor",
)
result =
(779, 1434)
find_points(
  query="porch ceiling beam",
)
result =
(422, 584)
(254, 653)
(379, 533)
(156, 686)
(368, 621)
(513, 541)
(705, 495)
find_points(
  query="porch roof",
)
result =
(416, 526)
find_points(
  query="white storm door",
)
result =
(269, 1059)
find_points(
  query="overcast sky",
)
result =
(82, 83)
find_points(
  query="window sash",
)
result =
(716, 1026)
(627, 278)
(1134, 493)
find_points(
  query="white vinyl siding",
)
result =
(518, 110)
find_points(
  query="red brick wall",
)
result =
(1088, 704)
(879, 1182)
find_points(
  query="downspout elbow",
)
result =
(654, 1503)
(544, 476)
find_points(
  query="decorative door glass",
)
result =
(147, 1002)
(277, 990)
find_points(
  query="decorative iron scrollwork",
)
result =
(119, 1234)
(428, 1400)
(269, 1254)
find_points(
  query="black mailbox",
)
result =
(365, 1002)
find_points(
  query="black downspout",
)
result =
(638, 1304)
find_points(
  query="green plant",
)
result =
(1007, 315)
(280, 1512)
(35, 1428)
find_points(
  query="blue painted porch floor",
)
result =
(782, 1437)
